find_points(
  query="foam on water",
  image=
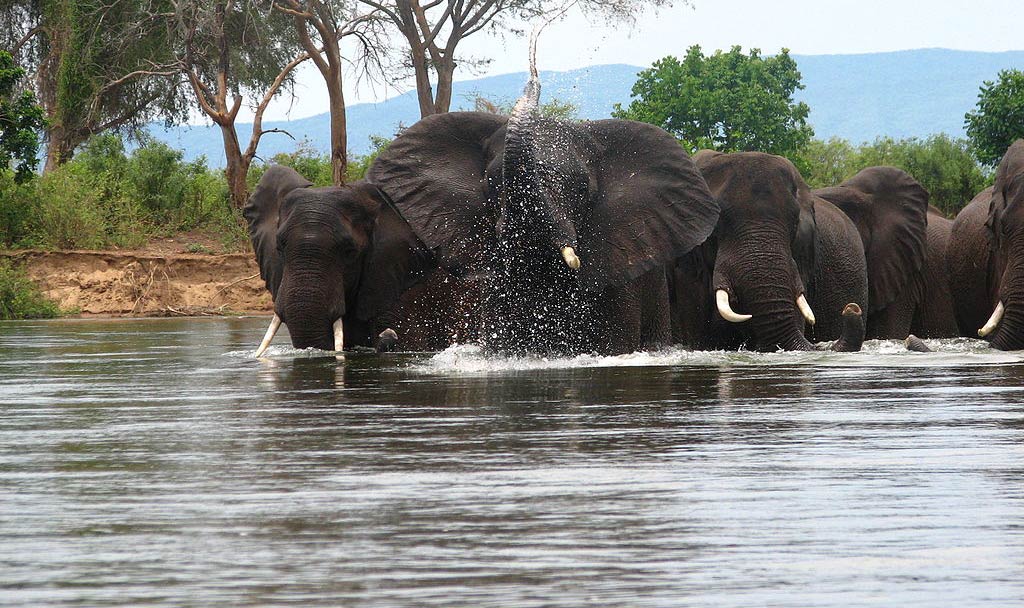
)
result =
(472, 359)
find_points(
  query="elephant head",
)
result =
(562, 214)
(1005, 231)
(890, 211)
(767, 254)
(332, 258)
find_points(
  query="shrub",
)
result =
(943, 165)
(20, 298)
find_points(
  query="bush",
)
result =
(943, 165)
(108, 197)
(20, 298)
(998, 119)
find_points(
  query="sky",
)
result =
(805, 27)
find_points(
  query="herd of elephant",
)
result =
(533, 235)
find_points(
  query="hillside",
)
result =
(856, 97)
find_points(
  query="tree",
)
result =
(725, 101)
(433, 30)
(230, 50)
(943, 165)
(21, 119)
(321, 26)
(94, 65)
(998, 119)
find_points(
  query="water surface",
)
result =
(157, 463)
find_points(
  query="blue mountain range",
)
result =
(855, 97)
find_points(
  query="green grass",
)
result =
(20, 298)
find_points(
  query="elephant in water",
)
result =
(782, 265)
(345, 269)
(986, 258)
(574, 223)
(890, 210)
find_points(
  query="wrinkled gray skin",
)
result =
(346, 253)
(935, 316)
(774, 241)
(986, 256)
(890, 210)
(505, 197)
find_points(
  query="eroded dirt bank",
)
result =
(136, 283)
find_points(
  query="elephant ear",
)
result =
(890, 210)
(435, 172)
(1009, 184)
(805, 245)
(262, 212)
(395, 261)
(651, 205)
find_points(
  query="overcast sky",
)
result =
(806, 27)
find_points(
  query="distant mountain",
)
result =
(856, 97)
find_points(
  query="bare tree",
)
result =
(433, 30)
(321, 27)
(230, 50)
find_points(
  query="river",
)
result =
(156, 462)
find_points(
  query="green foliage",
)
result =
(998, 119)
(20, 298)
(553, 108)
(21, 119)
(943, 165)
(316, 166)
(107, 197)
(726, 101)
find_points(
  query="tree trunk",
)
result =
(445, 75)
(59, 147)
(339, 133)
(237, 166)
(424, 93)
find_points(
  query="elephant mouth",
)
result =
(335, 340)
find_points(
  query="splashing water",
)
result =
(472, 359)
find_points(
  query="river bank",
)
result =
(151, 282)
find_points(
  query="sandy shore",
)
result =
(147, 283)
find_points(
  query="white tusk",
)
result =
(722, 297)
(339, 336)
(993, 321)
(275, 324)
(569, 255)
(805, 309)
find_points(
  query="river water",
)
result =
(156, 462)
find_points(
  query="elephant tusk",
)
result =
(275, 324)
(805, 309)
(569, 255)
(993, 321)
(339, 336)
(722, 298)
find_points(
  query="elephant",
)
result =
(345, 269)
(574, 224)
(782, 257)
(986, 258)
(935, 316)
(890, 210)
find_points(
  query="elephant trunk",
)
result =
(309, 311)
(763, 282)
(529, 214)
(1005, 328)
